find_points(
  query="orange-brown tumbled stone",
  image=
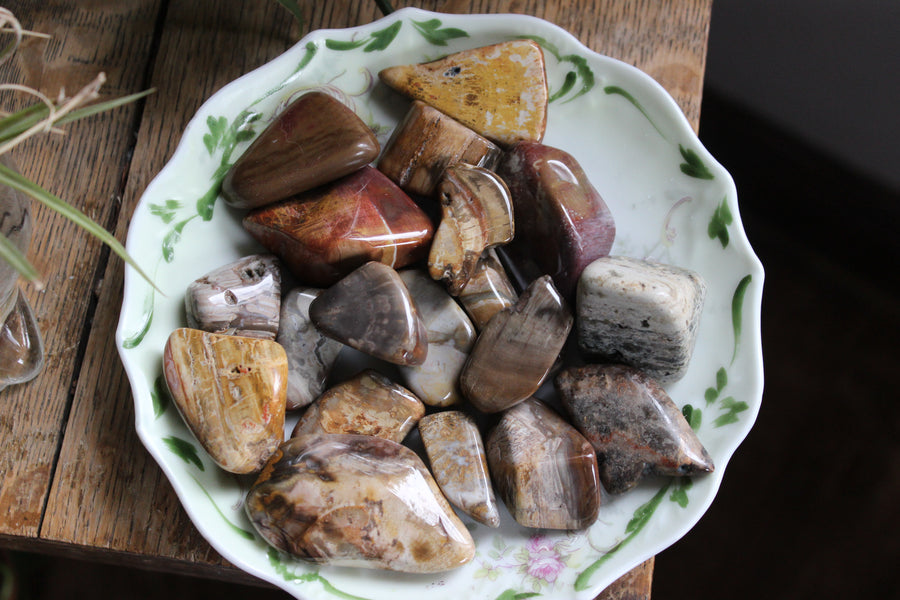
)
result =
(231, 392)
(368, 404)
(500, 91)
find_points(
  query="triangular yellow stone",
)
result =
(499, 91)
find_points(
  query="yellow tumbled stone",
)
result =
(499, 91)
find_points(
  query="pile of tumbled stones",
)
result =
(376, 274)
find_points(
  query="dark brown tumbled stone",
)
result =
(633, 424)
(360, 501)
(371, 310)
(544, 470)
(316, 139)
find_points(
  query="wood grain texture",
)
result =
(108, 495)
(84, 166)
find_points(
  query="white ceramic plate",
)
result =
(671, 200)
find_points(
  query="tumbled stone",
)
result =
(500, 91)
(359, 501)
(515, 352)
(562, 223)
(371, 310)
(316, 139)
(324, 234)
(488, 290)
(633, 424)
(230, 390)
(21, 346)
(310, 354)
(368, 404)
(450, 338)
(476, 214)
(240, 298)
(641, 314)
(544, 470)
(425, 143)
(458, 463)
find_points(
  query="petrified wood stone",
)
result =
(476, 214)
(324, 234)
(450, 338)
(488, 290)
(641, 314)
(359, 501)
(425, 143)
(562, 223)
(316, 139)
(371, 310)
(500, 91)
(368, 404)
(544, 470)
(310, 354)
(632, 423)
(230, 390)
(459, 465)
(240, 298)
(514, 353)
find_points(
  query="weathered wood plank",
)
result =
(85, 166)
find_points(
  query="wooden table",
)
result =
(75, 478)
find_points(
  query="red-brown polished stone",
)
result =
(316, 139)
(562, 223)
(326, 233)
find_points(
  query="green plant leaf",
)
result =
(184, 450)
(382, 38)
(296, 11)
(692, 165)
(160, 396)
(17, 181)
(18, 261)
(433, 33)
(737, 311)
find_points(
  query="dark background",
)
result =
(800, 106)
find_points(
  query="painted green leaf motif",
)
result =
(721, 379)
(184, 450)
(514, 595)
(640, 519)
(217, 127)
(692, 165)
(737, 311)
(616, 90)
(160, 397)
(136, 338)
(711, 395)
(172, 238)
(718, 224)
(433, 33)
(679, 494)
(345, 45)
(281, 569)
(382, 39)
(733, 408)
(579, 63)
(238, 530)
(566, 87)
(165, 211)
(311, 50)
(694, 416)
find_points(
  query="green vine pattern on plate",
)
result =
(580, 71)
(719, 222)
(276, 562)
(436, 35)
(375, 41)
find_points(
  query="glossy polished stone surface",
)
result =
(562, 223)
(358, 501)
(476, 214)
(641, 314)
(15, 226)
(450, 338)
(515, 352)
(425, 143)
(500, 91)
(240, 298)
(633, 424)
(324, 234)
(371, 310)
(459, 464)
(367, 404)
(544, 470)
(316, 139)
(231, 392)
(21, 345)
(488, 290)
(310, 354)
